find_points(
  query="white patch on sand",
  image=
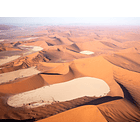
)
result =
(11, 76)
(37, 48)
(30, 38)
(8, 59)
(1, 40)
(85, 86)
(32, 49)
(87, 52)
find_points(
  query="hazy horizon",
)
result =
(109, 21)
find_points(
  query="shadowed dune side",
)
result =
(73, 47)
(130, 80)
(119, 111)
(9, 69)
(13, 67)
(111, 45)
(87, 113)
(127, 74)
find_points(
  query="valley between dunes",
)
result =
(71, 74)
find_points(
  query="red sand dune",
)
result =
(87, 113)
(115, 60)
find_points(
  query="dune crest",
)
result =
(89, 113)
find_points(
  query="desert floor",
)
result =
(70, 74)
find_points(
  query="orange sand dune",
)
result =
(128, 61)
(115, 61)
(119, 111)
(131, 81)
(98, 67)
(77, 68)
(80, 39)
(42, 44)
(94, 46)
(89, 113)
(64, 40)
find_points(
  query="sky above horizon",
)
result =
(71, 20)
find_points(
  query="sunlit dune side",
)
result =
(100, 68)
(56, 68)
(96, 67)
(94, 46)
(129, 61)
(76, 88)
(8, 59)
(88, 113)
(1, 40)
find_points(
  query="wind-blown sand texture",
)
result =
(52, 81)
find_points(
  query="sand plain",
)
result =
(50, 61)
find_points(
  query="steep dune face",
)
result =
(119, 111)
(27, 84)
(87, 113)
(131, 81)
(73, 47)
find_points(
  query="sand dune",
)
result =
(62, 73)
(128, 61)
(88, 113)
(119, 111)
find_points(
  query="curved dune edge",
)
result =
(96, 67)
(120, 111)
(88, 113)
(79, 87)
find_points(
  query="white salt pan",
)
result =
(8, 59)
(87, 52)
(85, 86)
(10, 76)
